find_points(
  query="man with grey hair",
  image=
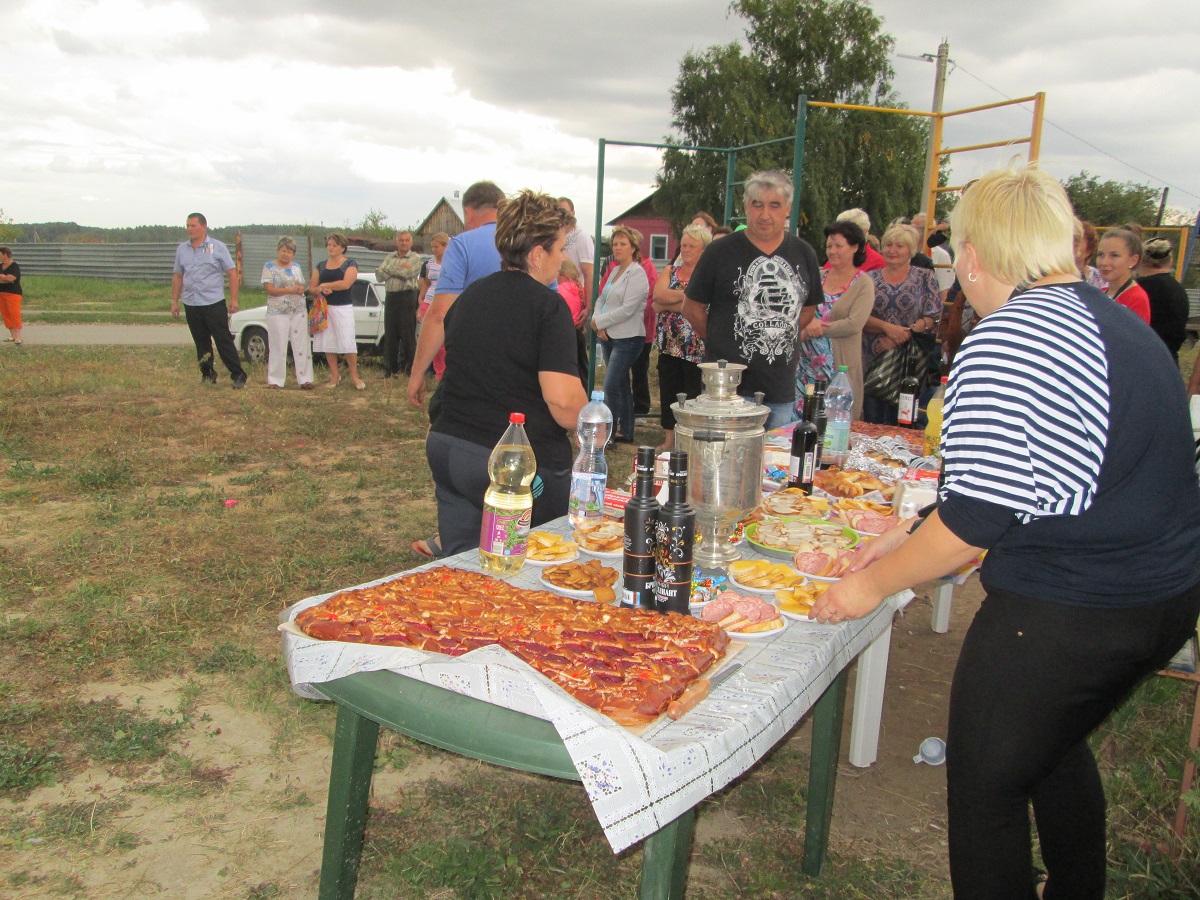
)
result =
(753, 292)
(400, 271)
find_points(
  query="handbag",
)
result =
(887, 370)
(318, 315)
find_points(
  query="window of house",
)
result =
(658, 246)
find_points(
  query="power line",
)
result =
(1088, 143)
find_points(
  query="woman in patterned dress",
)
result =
(287, 318)
(907, 302)
(680, 349)
(834, 337)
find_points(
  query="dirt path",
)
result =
(36, 333)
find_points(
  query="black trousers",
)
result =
(1034, 679)
(460, 478)
(208, 325)
(640, 373)
(676, 376)
(399, 331)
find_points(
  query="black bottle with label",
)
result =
(906, 402)
(818, 415)
(641, 517)
(806, 447)
(674, 539)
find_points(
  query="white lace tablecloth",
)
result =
(636, 784)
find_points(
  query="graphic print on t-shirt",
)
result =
(770, 295)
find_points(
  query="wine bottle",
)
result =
(641, 517)
(674, 539)
(804, 447)
(819, 417)
(910, 391)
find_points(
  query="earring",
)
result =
(972, 277)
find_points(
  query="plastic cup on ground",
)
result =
(932, 752)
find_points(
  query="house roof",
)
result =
(643, 208)
(454, 206)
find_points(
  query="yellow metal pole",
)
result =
(882, 109)
(996, 105)
(1039, 110)
(931, 188)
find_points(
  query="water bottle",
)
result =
(508, 503)
(839, 407)
(589, 474)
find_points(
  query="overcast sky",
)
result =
(129, 112)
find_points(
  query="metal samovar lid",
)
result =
(720, 406)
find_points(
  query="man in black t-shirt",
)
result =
(752, 293)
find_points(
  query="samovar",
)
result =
(722, 434)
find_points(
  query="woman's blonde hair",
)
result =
(440, 238)
(525, 221)
(1020, 222)
(633, 236)
(288, 242)
(904, 234)
(568, 271)
(699, 232)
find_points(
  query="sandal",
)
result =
(430, 548)
(360, 385)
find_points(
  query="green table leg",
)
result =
(664, 859)
(822, 772)
(354, 745)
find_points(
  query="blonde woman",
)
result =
(1085, 497)
(332, 278)
(431, 270)
(287, 318)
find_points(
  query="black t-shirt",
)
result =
(754, 303)
(500, 333)
(14, 287)
(921, 261)
(1168, 308)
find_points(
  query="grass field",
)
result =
(66, 299)
(125, 574)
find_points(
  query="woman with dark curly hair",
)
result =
(510, 347)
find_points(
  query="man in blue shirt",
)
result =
(201, 264)
(469, 257)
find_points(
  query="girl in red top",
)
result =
(1118, 256)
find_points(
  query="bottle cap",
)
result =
(598, 396)
(843, 368)
(517, 418)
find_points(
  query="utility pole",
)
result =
(939, 90)
(1162, 207)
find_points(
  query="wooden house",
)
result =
(445, 216)
(659, 242)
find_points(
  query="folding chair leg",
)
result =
(1189, 774)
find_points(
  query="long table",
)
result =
(490, 705)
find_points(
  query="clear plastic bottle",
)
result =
(589, 474)
(839, 409)
(508, 503)
(933, 421)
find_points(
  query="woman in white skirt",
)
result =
(333, 278)
(287, 318)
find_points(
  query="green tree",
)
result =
(8, 231)
(1111, 202)
(830, 50)
(375, 224)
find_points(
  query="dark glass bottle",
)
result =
(674, 538)
(805, 448)
(641, 517)
(910, 392)
(818, 416)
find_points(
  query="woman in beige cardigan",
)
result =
(836, 329)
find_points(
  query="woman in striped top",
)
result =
(1068, 456)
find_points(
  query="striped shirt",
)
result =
(1067, 449)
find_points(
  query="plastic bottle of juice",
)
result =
(508, 503)
(933, 416)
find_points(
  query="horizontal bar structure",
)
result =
(1008, 143)
(881, 109)
(676, 146)
(996, 105)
